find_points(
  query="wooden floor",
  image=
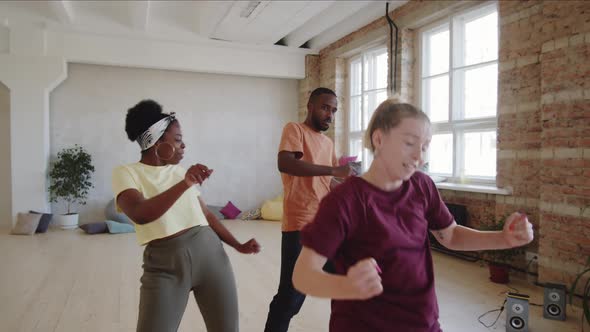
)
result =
(68, 281)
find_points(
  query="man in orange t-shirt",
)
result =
(307, 163)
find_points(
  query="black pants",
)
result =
(287, 302)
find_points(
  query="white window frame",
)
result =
(367, 156)
(461, 126)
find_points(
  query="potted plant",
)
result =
(70, 177)
(499, 260)
(585, 293)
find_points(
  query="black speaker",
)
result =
(517, 313)
(554, 301)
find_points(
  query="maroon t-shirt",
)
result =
(358, 220)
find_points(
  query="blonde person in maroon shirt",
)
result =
(375, 228)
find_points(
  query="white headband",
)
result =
(149, 137)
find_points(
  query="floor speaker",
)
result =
(517, 313)
(554, 301)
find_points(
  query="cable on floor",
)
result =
(501, 309)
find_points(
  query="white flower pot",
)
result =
(66, 221)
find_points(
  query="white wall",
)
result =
(5, 180)
(230, 123)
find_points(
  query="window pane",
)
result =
(355, 77)
(356, 148)
(377, 65)
(440, 153)
(376, 70)
(365, 72)
(355, 114)
(363, 155)
(481, 39)
(372, 100)
(381, 69)
(366, 160)
(436, 51)
(436, 98)
(481, 91)
(480, 154)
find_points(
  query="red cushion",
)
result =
(230, 211)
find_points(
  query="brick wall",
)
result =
(308, 84)
(543, 117)
(519, 121)
(565, 140)
(544, 126)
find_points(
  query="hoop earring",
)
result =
(168, 157)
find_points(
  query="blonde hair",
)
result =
(388, 115)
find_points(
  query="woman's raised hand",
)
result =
(196, 174)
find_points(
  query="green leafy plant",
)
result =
(585, 291)
(504, 256)
(70, 176)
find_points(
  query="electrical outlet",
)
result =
(531, 256)
(532, 267)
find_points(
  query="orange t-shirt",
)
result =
(304, 193)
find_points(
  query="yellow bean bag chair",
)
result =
(273, 209)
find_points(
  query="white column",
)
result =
(30, 76)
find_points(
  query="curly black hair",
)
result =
(141, 116)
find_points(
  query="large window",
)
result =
(367, 89)
(458, 89)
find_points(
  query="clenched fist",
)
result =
(517, 231)
(363, 279)
(250, 247)
(196, 174)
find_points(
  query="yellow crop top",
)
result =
(149, 180)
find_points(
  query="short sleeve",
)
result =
(437, 213)
(330, 227)
(122, 180)
(291, 139)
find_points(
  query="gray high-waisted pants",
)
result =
(172, 268)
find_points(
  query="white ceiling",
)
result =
(264, 23)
